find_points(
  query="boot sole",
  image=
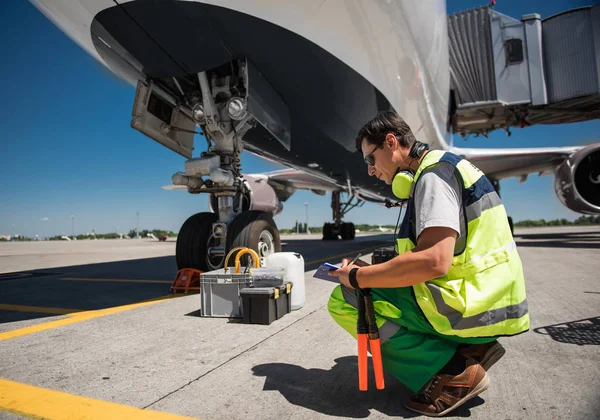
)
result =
(479, 388)
(493, 354)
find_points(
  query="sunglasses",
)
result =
(369, 159)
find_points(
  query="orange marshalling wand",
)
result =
(367, 331)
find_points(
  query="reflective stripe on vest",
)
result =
(483, 293)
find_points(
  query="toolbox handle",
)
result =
(255, 258)
(229, 255)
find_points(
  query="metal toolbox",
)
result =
(220, 292)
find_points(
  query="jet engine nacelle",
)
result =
(258, 195)
(577, 180)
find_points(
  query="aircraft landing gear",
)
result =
(198, 242)
(221, 104)
(256, 230)
(195, 241)
(347, 231)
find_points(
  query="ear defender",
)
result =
(403, 180)
(401, 184)
(417, 149)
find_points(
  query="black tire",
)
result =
(328, 232)
(352, 230)
(191, 250)
(345, 231)
(246, 230)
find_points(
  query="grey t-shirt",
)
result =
(438, 201)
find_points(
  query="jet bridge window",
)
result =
(513, 51)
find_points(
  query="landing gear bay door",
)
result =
(157, 115)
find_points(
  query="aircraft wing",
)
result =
(294, 179)
(286, 181)
(506, 163)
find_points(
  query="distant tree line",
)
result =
(582, 221)
(113, 235)
(17, 238)
(298, 228)
(301, 228)
(156, 232)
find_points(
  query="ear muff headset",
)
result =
(403, 180)
(417, 149)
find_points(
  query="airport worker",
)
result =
(457, 282)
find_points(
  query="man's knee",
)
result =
(336, 301)
(342, 299)
(341, 311)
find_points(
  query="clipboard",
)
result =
(323, 273)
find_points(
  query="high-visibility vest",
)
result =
(483, 293)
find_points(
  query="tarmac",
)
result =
(88, 329)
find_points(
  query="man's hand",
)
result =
(343, 272)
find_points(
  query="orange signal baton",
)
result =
(362, 337)
(366, 328)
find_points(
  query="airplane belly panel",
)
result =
(334, 63)
(328, 100)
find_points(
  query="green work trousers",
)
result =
(412, 351)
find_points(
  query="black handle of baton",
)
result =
(362, 338)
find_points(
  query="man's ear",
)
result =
(391, 141)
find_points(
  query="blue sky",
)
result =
(67, 147)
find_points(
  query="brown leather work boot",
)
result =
(486, 354)
(443, 393)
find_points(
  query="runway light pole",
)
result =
(307, 229)
(137, 226)
(73, 225)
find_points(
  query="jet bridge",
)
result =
(506, 72)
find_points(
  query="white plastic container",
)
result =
(294, 272)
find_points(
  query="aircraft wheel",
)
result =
(328, 233)
(347, 231)
(193, 241)
(255, 230)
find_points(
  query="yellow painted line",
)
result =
(116, 280)
(78, 317)
(38, 309)
(40, 403)
(345, 254)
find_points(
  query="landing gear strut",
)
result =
(338, 228)
(225, 106)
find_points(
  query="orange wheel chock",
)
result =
(186, 279)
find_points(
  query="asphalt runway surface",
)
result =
(89, 328)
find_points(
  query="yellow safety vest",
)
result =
(483, 293)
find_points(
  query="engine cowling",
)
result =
(258, 195)
(577, 180)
